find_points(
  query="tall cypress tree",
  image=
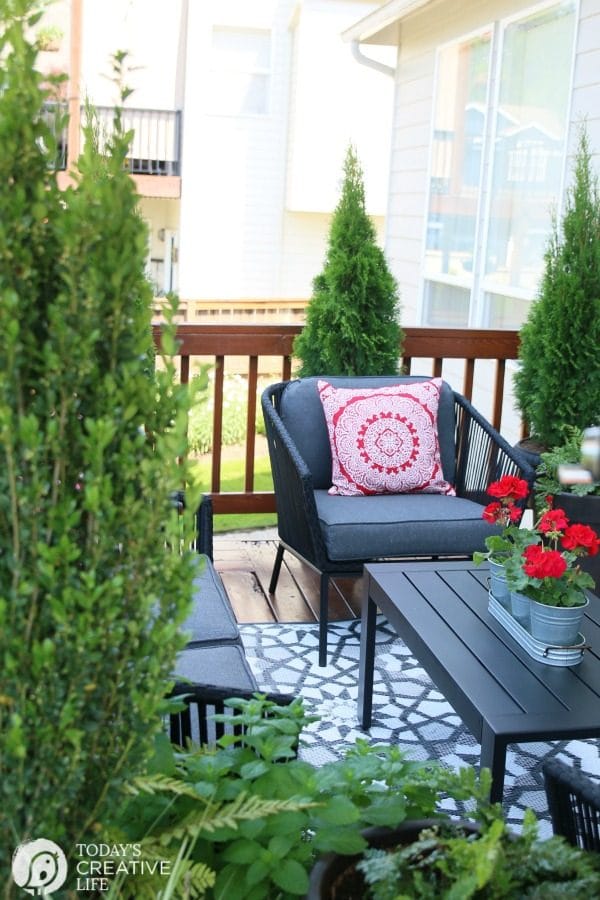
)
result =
(91, 594)
(352, 323)
(558, 384)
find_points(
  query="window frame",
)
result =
(480, 288)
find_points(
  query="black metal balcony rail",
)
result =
(55, 116)
(156, 142)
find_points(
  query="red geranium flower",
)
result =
(492, 512)
(581, 537)
(543, 563)
(509, 487)
(553, 520)
(515, 513)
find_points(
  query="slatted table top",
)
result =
(503, 695)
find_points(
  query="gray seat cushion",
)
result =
(223, 666)
(211, 618)
(396, 525)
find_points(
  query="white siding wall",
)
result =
(257, 191)
(150, 31)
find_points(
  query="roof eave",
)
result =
(382, 25)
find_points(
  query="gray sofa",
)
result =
(213, 665)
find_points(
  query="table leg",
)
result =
(367, 658)
(493, 757)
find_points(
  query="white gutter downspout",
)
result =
(360, 57)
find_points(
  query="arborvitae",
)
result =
(93, 587)
(558, 384)
(352, 322)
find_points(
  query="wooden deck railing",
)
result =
(251, 344)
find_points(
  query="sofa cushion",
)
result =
(302, 414)
(211, 617)
(400, 525)
(221, 666)
(384, 440)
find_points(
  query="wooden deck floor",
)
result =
(245, 562)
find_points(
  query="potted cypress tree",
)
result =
(90, 435)
(352, 322)
(557, 386)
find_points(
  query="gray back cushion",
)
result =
(302, 414)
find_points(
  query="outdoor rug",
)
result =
(408, 710)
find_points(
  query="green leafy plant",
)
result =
(547, 473)
(505, 510)
(548, 569)
(257, 816)
(235, 406)
(558, 383)
(91, 592)
(443, 864)
(352, 325)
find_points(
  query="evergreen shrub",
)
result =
(352, 321)
(92, 586)
(558, 384)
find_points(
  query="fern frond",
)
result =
(228, 815)
(161, 784)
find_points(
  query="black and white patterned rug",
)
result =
(408, 710)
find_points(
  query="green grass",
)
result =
(232, 479)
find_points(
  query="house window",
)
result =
(497, 164)
(240, 71)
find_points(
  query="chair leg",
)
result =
(276, 569)
(323, 617)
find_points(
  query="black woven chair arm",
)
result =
(297, 518)
(483, 455)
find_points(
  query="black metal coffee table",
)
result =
(503, 696)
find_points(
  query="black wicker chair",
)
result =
(337, 535)
(202, 703)
(574, 804)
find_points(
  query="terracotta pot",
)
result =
(335, 877)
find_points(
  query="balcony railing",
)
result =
(268, 349)
(156, 143)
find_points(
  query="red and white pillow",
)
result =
(384, 440)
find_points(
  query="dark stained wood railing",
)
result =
(251, 344)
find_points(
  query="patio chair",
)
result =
(204, 701)
(336, 535)
(574, 804)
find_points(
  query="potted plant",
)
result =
(248, 819)
(548, 574)
(558, 383)
(580, 499)
(505, 511)
(352, 320)
(445, 862)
